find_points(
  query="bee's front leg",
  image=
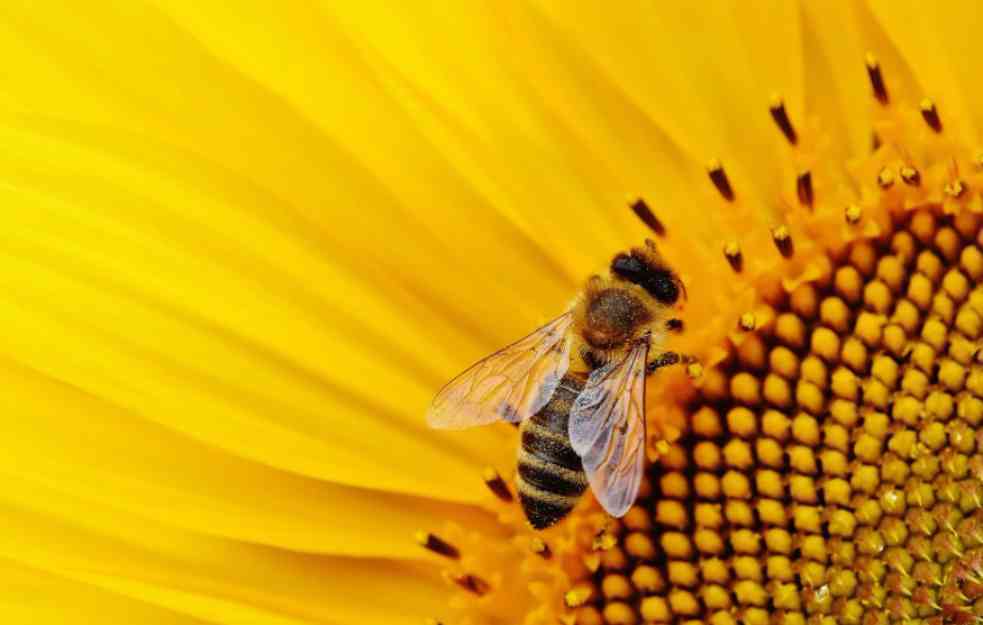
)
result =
(666, 359)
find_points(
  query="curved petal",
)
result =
(211, 579)
(940, 44)
(29, 595)
(81, 446)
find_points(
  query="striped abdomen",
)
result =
(551, 478)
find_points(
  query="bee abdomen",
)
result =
(551, 478)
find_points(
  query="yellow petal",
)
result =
(129, 464)
(212, 579)
(936, 40)
(28, 595)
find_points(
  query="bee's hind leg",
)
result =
(666, 359)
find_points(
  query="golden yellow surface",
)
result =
(244, 243)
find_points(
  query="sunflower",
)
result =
(243, 246)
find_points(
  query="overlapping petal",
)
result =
(243, 246)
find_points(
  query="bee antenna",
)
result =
(645, 214)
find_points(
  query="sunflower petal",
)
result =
(212, 579)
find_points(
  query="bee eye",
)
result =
(660, 283)
(663, 287)
(629, 268)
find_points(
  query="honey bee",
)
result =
(581, 420)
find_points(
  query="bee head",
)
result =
(646, 268)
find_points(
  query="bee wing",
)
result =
(512, 384)
(607, 430)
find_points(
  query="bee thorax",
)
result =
(612, 317)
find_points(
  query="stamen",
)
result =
(930, 114)
(853, 214)
(955, 188)
(471, 583)
(643, 212)
(540, 548)
(694, 371)
(747, 321)
(732, 252)
(437, 545)
(885, 179)
(719, 178)
(876, 80)
(910, 176)
(578, 595)
(803, 186)
(604, 541)
(783, 241)
(780, 115)
(497, 485)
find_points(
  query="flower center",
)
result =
(832, 466)
(827, 465)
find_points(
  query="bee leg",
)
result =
(591, 359)
(666, 359)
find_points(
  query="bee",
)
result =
(582, 419)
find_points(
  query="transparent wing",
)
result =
(510, 385)
(607, 430)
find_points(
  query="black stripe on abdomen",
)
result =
(551, 477)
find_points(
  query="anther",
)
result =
(885, 179)
(643, 212)
(876, 80)
(719, 178)
(747, 321)
(803, 186)
(910, 176)
(471, 583)
(853, 214)
(954, 189)
(497, 485)
(540, 548)
(930, 114)
(437, 545)
(783, 241)
(603, 541)
(694, 371)
(780, 115)
(732, 252)
(577, 596)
